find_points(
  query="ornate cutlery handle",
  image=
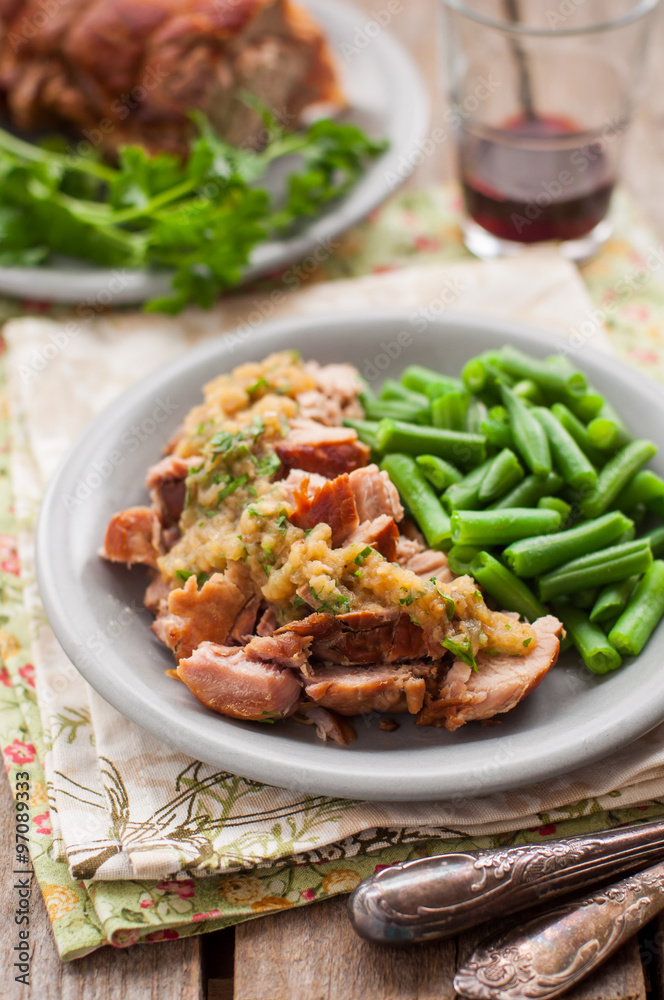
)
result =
(434, 897)
(544, 957)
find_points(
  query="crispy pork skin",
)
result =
(498, 684)
(372, 688)
(375, 494)
(130, 71)
(133, 536)
(229, 681)
(329, 451)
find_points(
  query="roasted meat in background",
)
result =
(129, 71)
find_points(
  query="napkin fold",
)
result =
(128, 824)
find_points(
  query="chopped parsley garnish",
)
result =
(362, 556)
(268, 465)
(462, 648)
(271, 717)
(184, 574)
(409, 598)
(450, 606)
(527, 641)
(260, 385)
(478, 595)
(192, 472)
(235, 484)
(282, 522)
(298, 601)
(338, 603)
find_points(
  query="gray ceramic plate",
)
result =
(386, 98)
(96, 608)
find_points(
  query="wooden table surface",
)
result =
(311, 953)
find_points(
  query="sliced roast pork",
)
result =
(352, 691)
(498, 684)
(133, 536)
(228, 680)
(332, 503)
(196, 615)
(381, 534)
(375, 494)
(166, 482)
(329, 451)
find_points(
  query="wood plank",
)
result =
(313, 954)
(169, 970)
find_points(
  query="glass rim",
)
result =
(513, 28)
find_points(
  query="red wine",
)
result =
(535, 179)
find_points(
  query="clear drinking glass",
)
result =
(542, 94)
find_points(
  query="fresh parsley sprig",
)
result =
(201, 218)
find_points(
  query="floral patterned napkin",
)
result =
(117, 836)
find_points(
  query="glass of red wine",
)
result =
(542, 95)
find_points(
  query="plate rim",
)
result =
(262, 762)
(138, 285)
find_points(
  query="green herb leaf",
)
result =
(462, 648)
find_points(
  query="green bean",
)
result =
(586, 407)
(597, 652)
(611, 600)
(480, 373)
(395, 409)
(607, 430)
(615, 476)
(529, 491)
(496, 427)
(475, 415)
(536, 556)
(465, 495)
(529, 392)
(578, 431)
(656, 538)
(550, 377)
(555, 503)
(645, 487)
(510, 593)
(529, 437)
(502, 475)
(449, 411)
(644, 610)
(439, 472)
(500, 527)
(393, 390)
(585, 599)
(572, 464)
(462, 449)
(656, 505)
(420, 499)
(429, 382)
(606, 566)
(366, 431)
(460, 557)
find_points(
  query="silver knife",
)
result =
(440, 896)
